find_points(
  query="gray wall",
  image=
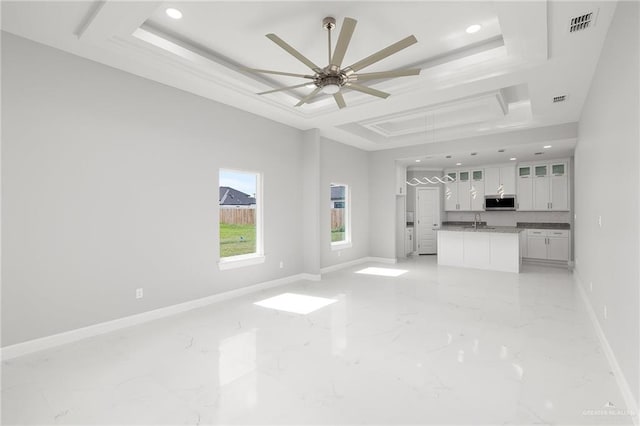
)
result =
(110, 183)
(347, 165)
(606, 185)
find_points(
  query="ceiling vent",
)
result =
(582, 22)
(538, 153)
(560, 98)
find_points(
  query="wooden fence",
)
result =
(337, 218)
(238, 216)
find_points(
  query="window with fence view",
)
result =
(238, 198)
(339, 214)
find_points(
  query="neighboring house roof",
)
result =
(232, 197)
(337, 193)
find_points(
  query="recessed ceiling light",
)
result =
(458, 164)
(473, 28)
(547, 146)
(417, 161)
(513, 158)
(173, 13)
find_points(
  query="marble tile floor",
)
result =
(436, 345)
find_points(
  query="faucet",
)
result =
(476, 219)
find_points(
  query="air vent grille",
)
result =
(581, 22)
(560, 98)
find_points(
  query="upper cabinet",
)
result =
(401, 180)
(500, 179)
(543, 186)
(467, 192)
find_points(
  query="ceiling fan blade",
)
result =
(308, 97)
(278, 73)
(386, 74)
(387, 51)
(293, 52)
(368, 90)
(348, 26)
(284, 88)
(339, 100)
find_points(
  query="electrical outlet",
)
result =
(281, 264)
(575, 216)
(591, 287)
(339, 253)
(139, 293)
(600, 221)
(605, 312)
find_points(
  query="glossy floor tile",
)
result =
(434, 345)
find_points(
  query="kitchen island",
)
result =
(493, 248)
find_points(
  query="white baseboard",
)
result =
(310, 277)
(47, 342)
(343, 265)
(623, 385)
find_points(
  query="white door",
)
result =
(428, 214)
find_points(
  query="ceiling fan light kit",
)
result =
(333, 78)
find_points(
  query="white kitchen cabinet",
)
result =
(401, 180)
(500, 178)
(477, 184)
(464, 195)
(458, 195)
(491, 180)
(543, 186)
(481, 250)
(548, 244)
(408, 233)
(508, 179)
(524, 190)
(451, 192)
(559, 187)
(537, 244)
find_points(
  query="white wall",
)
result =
(344, 164)
(606, 185)
(110, 182)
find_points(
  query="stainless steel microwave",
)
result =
(504, 203)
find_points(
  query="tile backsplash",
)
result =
(510, 218)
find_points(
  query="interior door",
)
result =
(428, 215)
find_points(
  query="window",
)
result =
(340, 220)
(239, 198)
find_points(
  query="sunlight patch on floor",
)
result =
(384, 272)
(296, 303)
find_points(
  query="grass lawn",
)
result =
(337, 236)
(237, 239)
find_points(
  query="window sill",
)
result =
(341, 245)
(240, 261)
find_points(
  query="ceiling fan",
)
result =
(333, 78)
